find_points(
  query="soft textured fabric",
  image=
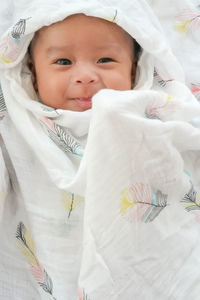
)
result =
(102, 204)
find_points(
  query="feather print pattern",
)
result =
(191, 200)
(82, 295)
(27, 248)
(115, 16)
(19, 29)
(9, 49)
(68, 143)
(158, 108)
(195, 89)
(70, 201)
(112, 18)
(62, 138)
(10, 44)
(2, 105)
(188, 20)
(161, 78)
(142, 203)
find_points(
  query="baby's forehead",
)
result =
(79, 26)
(81, 21)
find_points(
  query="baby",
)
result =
(92, 200)
(73, 59)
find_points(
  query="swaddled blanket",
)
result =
(102, 204)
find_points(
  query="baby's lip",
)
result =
(84, 102)
(84, 98)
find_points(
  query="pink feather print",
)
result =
(140, 192)
(79, 295)
(82, 295)
(142, 195)
(195, 89)
(48, 123)
(161, 107)
(140, 202)
(187, 14)
(197, 216)
(38, 273)
(152, 112)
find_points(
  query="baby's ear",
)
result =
(31, 67)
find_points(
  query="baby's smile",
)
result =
(84, 103)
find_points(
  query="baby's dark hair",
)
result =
(137, 49)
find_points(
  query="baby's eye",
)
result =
(104, 60)
(64, 61)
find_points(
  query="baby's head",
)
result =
(75, 58)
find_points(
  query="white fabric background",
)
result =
(136, 139)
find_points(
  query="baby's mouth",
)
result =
(85, 103)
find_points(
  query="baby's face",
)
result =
(75, 58)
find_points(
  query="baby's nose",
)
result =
(85, 75)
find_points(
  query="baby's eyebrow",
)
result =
(108, 46)
(53, 49)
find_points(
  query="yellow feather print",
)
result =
(189, 205)
(182, 26)
(26, 245)
(70, 200)
(198, 199)
(30, 257)
(169, 97)
(191, 200)
(7, 61)
(126, 201)
(29, 240)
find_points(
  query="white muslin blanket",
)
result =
(102, 204)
